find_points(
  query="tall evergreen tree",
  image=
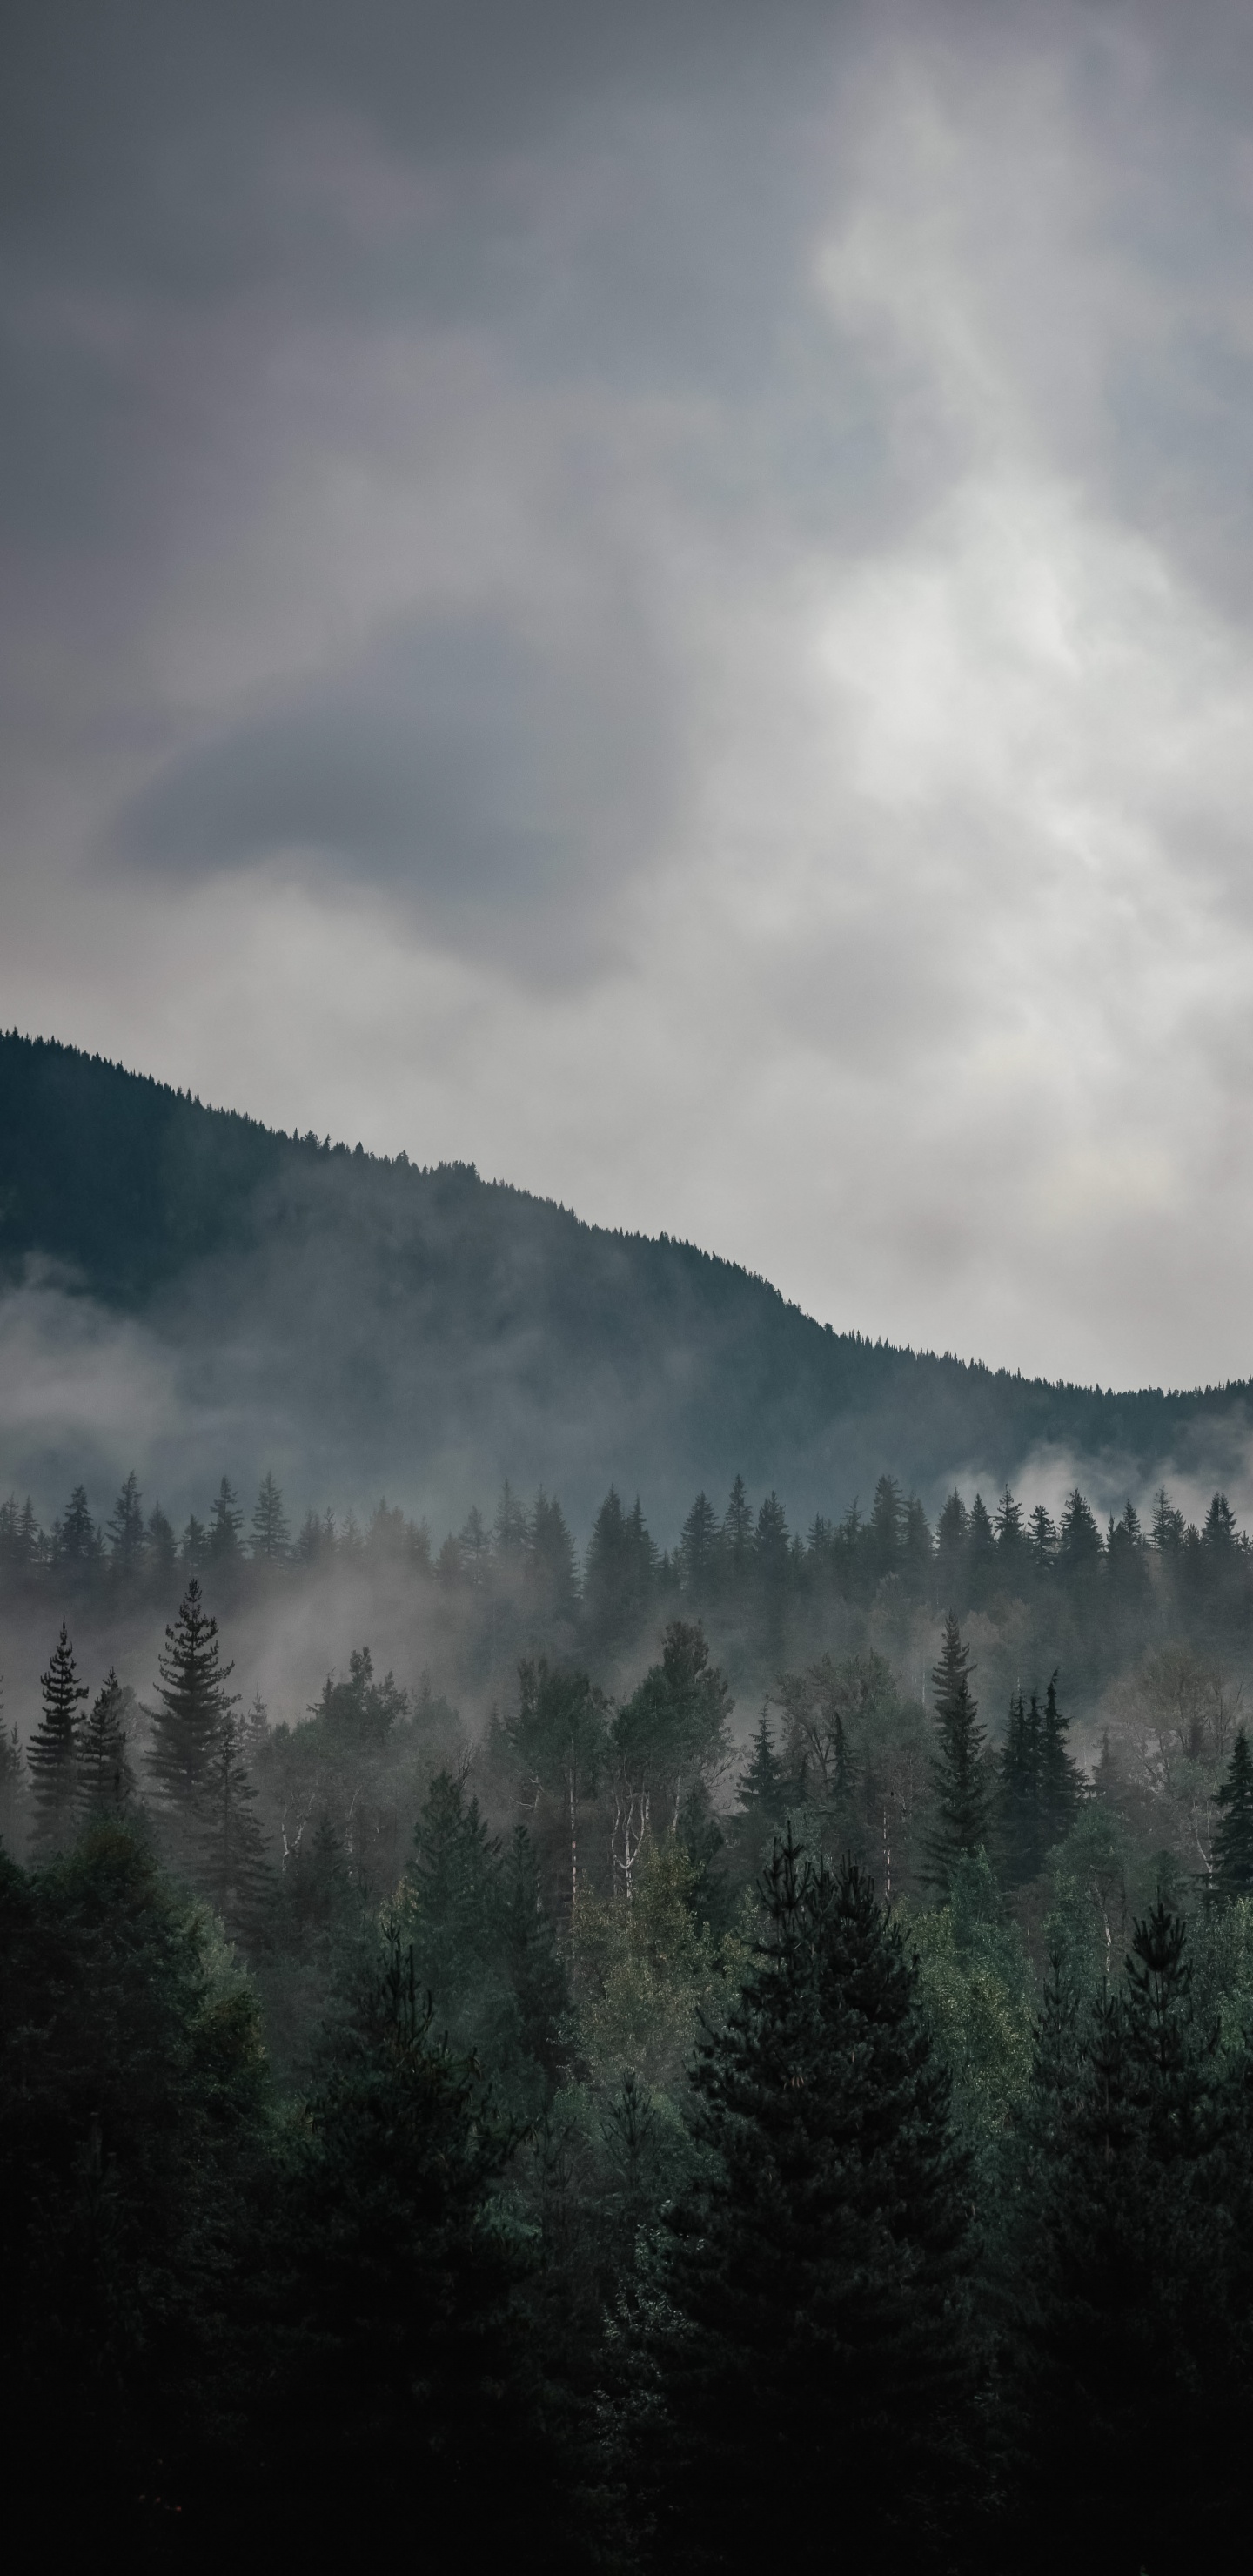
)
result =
(106, 1779)
(13, 1790)
(982, 1561)
(225, 1524)
(1022, 1840)
(962, 1799)
(1061, 1784)
(192, 1711)
(810, 2342)
(699, 1553)
(75, 1539)
(162, 1547)
(550, 1557)
(1130, 2389)
(231, 1865)
(1043, 1540)
(1233, 1836)
(54, 1749)
(737, 1530)
(918, 1551)
(271, 1536)
(885, 1529)
(952, 1532)
(127, 1535)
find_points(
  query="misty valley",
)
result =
(617, 2048)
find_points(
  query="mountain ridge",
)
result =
(381, 1321)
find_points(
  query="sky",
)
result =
(660, 599)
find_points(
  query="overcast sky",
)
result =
(660, 597)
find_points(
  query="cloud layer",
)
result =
(666, 606)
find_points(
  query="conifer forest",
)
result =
(641, 2045)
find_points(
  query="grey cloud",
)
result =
(500, 789)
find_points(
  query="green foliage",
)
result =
(1233, 1840)
(809, 2338)
(1135, 2355)
(131, 2107)
(53, 1754)
(975, 1990)
(962, 1801)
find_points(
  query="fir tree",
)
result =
(271, 1537)
(1233, 1837)
(549, 1557)
(884, 1531)
(1061, 1785)
(1022, 1838)
(126, 1533)
(762, 1792)
(54, 1748)
(699, 1549)
(952, 1531)
(231, 1866)
(225, 1523)
(1043, 1540)
(75, 1541)
(193, 1708)
(981, 1554)
(918, 1551)
(810, 2342)
(962, 1803)
(1132, 2374)
(106, 1779)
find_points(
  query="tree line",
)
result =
(684, 2136)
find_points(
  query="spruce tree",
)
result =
(762, 1791)
(225, 1523)
(126, 1533)
(106, 1780)
(962, 1802)
(193, 1707)
(1061, 1783)
(54, 1749)
(1129, 2387)
(1021, 1833)
(271, 1537)
(231, 1867)
(1233, 1836)
(809, 2342)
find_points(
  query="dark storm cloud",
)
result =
(456, 764)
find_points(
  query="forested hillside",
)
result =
(383, 1327)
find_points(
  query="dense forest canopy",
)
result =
(619, 2036)
(377, 1325)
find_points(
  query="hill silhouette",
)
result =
(371, 1325)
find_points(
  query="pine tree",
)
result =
(54, 1749)
(550, 1559)
(231, 1866)
(1061, 1784)
(1233, 1837)
(271, 1537)
(952, 1531)
(192, 1712)
(1022, 1838)
(126, 1533)
(699, 1549)
(1043, 1541)
(809, 2342)
(981, 1556)
(1079, 1548)
(75, 1541)
(225, 1523)
(761, 1783)
(1131, 2377)
(884, 1529)
(106, 1780)
(737, 1531)
(962, 1809)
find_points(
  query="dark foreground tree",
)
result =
(392, 2381)
(1134, 2378)
(131, 2099)
(810, 2343)
(54, 1750)
(1233, 1838)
